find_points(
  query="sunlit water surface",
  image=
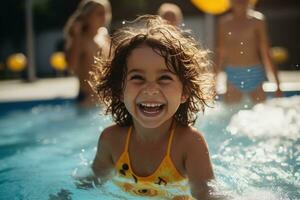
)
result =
(255, 151)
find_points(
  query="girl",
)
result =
(85, 36)
(156, 81)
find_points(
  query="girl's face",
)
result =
(152, 93)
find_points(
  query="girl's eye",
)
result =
(166, 78)
(136, 77)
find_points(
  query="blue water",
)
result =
(255, 151)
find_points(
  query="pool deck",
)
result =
(39, 90)
(67, 87)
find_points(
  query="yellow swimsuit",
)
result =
(165, 178)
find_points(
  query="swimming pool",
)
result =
(255, 151)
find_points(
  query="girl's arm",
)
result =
(102, 166)
(103, 163)
(198, 166)
(265, 53)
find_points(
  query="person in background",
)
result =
(243, 53)
(86, 36)
(171, 12)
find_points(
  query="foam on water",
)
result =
(255, 151)
(274, 118)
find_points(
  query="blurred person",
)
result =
(171, 12)
(86, 36)
(243, 53)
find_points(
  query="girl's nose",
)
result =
(151, 89)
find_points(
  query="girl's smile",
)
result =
(150, 109)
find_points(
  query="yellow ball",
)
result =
(212, 6)
(279, 54)
(16, 62)
(215, 6)
(58, 61)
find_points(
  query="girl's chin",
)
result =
(148, 122)
(152, 123)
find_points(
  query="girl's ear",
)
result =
(184, 97)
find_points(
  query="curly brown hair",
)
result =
(183, 56)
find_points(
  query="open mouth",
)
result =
(151, 109)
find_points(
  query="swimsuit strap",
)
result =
(171, 139)
(128, 138)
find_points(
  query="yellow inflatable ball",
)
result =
(215, 6)
(58, 61)
(16, 62)
(279, 54)
(212, 6)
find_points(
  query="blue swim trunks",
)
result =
(246, 79)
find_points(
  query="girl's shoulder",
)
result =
(114, 137)
(113, 133)
(188, 131)
(113, 130)
(189, 135)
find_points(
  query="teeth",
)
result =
(152, 105)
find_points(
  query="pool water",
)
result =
(255, 151)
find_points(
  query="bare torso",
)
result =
(240, 41)
(90, 48)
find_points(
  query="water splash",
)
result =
(274, 118)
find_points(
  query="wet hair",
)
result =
(182, 54)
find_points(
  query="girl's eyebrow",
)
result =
(134, 71)
(142, 71)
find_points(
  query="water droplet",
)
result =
(297, 65)
(242, 82)
(229, 33)
(123, 22)
(183, 24)
(241, 52)
(245, 106)
(248, 70)
(242, 43)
